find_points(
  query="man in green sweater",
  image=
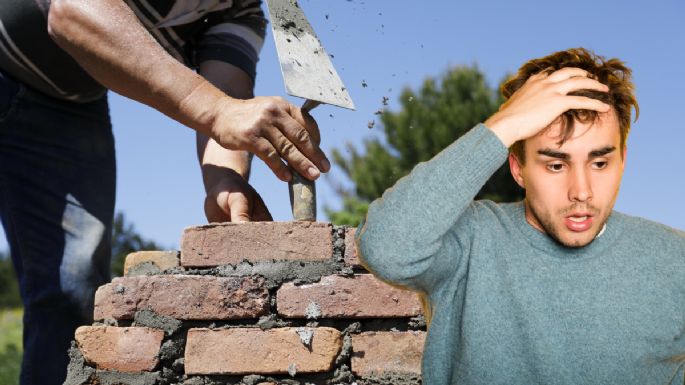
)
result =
(559, 288)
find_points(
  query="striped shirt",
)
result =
(192, 31)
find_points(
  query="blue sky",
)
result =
(394, 44)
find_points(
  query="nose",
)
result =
(580, 188)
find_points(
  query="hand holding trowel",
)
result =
(307, 73)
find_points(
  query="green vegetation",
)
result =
(126, 240)
(429, 120)
(10, 346)
(9, 288)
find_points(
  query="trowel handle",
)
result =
(309, 105)
(302, 190)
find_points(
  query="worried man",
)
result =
(559, 288)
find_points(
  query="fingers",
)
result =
(566, 73)
(309, 124)
(216, 206)
(269, 155)
(289, 134)
(585, 103)
(239, 207)
(287, 149)
(304, 133)
(580, 83)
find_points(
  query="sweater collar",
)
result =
(543, 242)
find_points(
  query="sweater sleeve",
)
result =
(418, 232)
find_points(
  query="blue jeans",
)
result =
(57, 186)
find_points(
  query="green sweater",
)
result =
(511, 306)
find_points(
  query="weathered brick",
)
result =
(360, 296)
(161, 260)
(350, 256)
(231, 243)
(129, 349)
(183, 297)
(252, 350)
(375, 353)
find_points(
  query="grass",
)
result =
(10, 345)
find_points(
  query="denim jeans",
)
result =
(57, 186)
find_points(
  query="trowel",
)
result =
(307, 73)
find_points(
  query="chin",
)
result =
(575, 242)
(574, 239)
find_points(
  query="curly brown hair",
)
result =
(612, 72)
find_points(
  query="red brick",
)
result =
(130, 349)
(351, 257)
(375, 353)
(361, 296)
(252, 350)
(161, 259)
(231, 243)
(183, 297)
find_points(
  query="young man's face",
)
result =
(571, 190)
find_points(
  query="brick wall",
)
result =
(251, 303)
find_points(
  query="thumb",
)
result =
(239, 207)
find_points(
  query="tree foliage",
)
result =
(429, 120)
(9, 288)
(126, 240)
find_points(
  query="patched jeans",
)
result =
(57, 186)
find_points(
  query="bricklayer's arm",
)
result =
(225, 173)
(110, 43)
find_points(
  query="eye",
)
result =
(555, 167)
(599, 165)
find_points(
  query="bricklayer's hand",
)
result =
(274, 130)
(233, 199)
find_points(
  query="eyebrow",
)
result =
(601, 152)
(565, 156)
(554, 154)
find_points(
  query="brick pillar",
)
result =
(251, 303)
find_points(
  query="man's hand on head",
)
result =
(232, 199)
(541, 100)
(274, 130)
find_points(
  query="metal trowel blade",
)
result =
(306, 67)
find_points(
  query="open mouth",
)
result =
(579, 222)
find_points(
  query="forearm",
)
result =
(404, 228)
(216, 160)
(108, 41)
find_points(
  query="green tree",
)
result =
(125, 240)
(429, 120)
(9, 288)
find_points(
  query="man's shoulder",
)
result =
(505, 210)
(485, 213)
(639, 229)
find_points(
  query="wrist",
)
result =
(202, 107)
(503, 131)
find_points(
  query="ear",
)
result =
(623, 159)
(515, 168)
